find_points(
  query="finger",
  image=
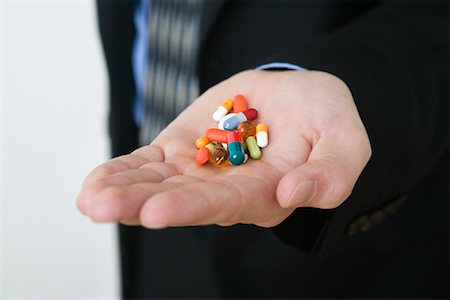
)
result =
(123, 163)
(123, 203)
(133, 160)
(150, 172)
(328, 177)
(225, 200)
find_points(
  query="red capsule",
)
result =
(251, 114)
(217, 135)
(233, 137)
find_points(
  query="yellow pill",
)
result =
(201, 142)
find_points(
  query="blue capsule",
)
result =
(233, 122)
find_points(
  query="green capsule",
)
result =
(244, 146)
(212, 145)
(253, 147)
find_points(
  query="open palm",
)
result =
(318, 147)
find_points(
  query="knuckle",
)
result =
(96, 186)
(270, 223)
(334, 191)
(342, 189)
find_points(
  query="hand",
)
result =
(318, 147)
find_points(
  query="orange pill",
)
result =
(240, 104)
(202, 156)
(201, 142)
(217, 135)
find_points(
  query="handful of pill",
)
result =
(236, 138)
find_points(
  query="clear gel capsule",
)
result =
(246, 129)
(219, 156)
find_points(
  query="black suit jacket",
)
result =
(390, 238)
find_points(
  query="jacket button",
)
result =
(377, 216)
(366, 222)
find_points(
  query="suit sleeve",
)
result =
(395, 60)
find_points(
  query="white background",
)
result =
(53, 132)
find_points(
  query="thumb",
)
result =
(326, 180)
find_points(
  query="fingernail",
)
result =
(304, 192)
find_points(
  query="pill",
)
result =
(253, 148)
(201, 142)
(217, 135)
(233, 122)
(219, 156)
(202, 156)
(240, 104)
(244, 146)
(246, 128)
(236, 154)
(220, 125)
(212, 145)
(223, 109)
(262, 135)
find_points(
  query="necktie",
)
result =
(171, 84)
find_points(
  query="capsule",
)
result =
(233, 122)
(240, 104)
(217, 135)
(246, 129)
(236, 154)
(212, 145)
(219, 156)
(244, 147)
(220, 125)
(223, 109)
(201, 142)
(262, 135)
(253, 148)
(202, 156)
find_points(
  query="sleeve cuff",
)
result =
(280, 66)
